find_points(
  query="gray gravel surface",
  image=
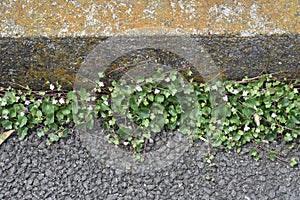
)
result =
(30, 169)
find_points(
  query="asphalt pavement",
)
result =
(69, 169)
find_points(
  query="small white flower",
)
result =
(3, 103)
(230, 128)
(101, 84)
(40, 100)
(215, 87)
(90, 107)
(105, 102)
(225, 98)
(245, 98)
(52, 86)
(18, 98)
(232, 109)
(256, 119)
(138, 88)
(61, 101)
(246, 128)
(245, 93)
(54, 101)
(93, 98)
(235, 91)
(5, 117)
(273, 115)
(257, 130)
(156, 91)
(22, 114)
(27, 102)
(139, 100)
(167, 79)
(219, 122)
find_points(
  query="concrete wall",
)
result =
(21, 18)
(48, 40)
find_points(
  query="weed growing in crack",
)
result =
(258, 110)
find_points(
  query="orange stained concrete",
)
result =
(27, 18)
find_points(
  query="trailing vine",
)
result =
(222, 113)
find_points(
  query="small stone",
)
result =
(150, 187)
(48, 172)
(282, 189)
(272, 194)
(247, 198)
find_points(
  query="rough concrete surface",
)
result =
(48, 40)
(19, 18)
(33, 61)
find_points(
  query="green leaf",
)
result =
(253, 152)
(23, 98)
(146, 122)
(40, 133)
(133, 103)
(248, 112)
(159, 98)
(172, 111)
(157, 124)
(256, 158)
(293, 162)
(89, 123)
(272, 155)
(112, 122)
(59, 116)
(7, 124)
(150, 97)
(147, 136)
(149, 80)
(66, 111)
(270, 136)
(118, 98)
(22, 132)
(139, 79)
(288, 137)
(5, 112)
(42, 93)
(217, 143)
(53, 137)
(173, 75)
(145, 102)
(284, 102)
(248, 137)
(173, 91)
(101, 74)
(123, 131)
(178, 109)
(251, 103)
(63, 133)
(83, 94)
(237, 137)
(47, 107)
(144, 113)
(22, 120)
(49, 119)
